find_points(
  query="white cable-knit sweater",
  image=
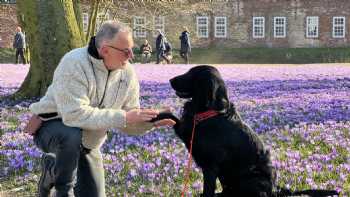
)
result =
(77, 89)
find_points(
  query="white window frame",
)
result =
(224, 26)
(158, 25)
(199, 26)
(139, 28)
(312, 22)
(275, 26)
(338, 25)
(259, 26)
(85, 19)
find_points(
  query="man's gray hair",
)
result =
(108, 31)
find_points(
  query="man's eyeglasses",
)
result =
(127, 52)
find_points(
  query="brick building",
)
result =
(8, 23)
(230, 23)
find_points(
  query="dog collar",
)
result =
(205, 115)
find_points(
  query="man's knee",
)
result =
(72, 139)
(63, 136)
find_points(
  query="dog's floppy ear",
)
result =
(209, 92)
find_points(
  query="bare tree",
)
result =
(52, 28)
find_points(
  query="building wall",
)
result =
(8, 24)
(239, 14)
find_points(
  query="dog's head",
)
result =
(204, 85)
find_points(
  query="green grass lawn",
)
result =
(262, 55)
(243, 55)
(7, 55)
(271, 55)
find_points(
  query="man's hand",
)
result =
(165, 118)
(140, 115)
(33, 125)
(147, 115)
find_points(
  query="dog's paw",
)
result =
(165, 115)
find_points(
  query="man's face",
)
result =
(117, 52)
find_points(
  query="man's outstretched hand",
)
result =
(159, 118)
(165, 118)
(140, 115)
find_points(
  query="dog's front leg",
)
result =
(209, 186)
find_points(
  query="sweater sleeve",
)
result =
(71, 97)
(132, 101)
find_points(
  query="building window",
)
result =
(220, 27)
(312, 26)
(139, 27)
(7, 1)
(158, 24)
(85, 22)
(279, 27)
(202, 27)
(258, 27)
(338, 27)
(101, 17)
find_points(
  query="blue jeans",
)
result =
(79, 171)
(20, 52)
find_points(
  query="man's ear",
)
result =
(103, 51)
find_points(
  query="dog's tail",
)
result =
(281, 192)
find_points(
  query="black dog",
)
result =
(224, 146)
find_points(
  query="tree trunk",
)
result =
(77, 12)
(52, 30)
(94, 6)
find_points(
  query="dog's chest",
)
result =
(206, 144)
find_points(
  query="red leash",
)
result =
(196, 119)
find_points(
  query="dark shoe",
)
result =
(47, 179)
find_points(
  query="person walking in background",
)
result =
(19, 43)
(185, 45)
(160, 46)
(146, 52)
